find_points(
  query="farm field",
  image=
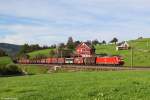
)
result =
(141, 52)
(123, 85)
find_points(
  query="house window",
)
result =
(83, 49)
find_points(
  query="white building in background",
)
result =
(122, 46)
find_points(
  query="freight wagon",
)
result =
(79, 60)
(89, 60)
(61, 60)
(69, 60)
(106, 60)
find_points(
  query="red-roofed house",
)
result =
(83, 50)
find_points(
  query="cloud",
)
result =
(28, 34)
(51, 21)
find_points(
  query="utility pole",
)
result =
(131, 57)
(61, 56)
(61, 53)
(57, 47)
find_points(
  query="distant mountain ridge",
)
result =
(10, 49)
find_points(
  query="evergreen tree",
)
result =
(52, 53)
(76, 43)
(61, 46)
(114, 40)
(2, 53)
(24, 49)
(94, 42)
(103, 42)
(70, 43)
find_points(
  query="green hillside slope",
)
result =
(43, 52)
(5, 60)
(141, 52)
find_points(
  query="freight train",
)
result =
(106, 60)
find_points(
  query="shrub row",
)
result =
(10, 69)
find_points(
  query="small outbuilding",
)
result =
(122, 46)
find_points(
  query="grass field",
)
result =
(43, 52)
(5, 60)
(141, 52)
(123, 85)
(34, 69)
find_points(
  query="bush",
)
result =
(10, 69)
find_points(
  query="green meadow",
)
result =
(117, 85)
(5, 60)
(141, 52)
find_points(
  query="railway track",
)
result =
(105, 68)
(93, 67)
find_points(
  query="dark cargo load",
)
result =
(90, 60)
(78, 60)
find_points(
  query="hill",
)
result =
(124, 85)
(10, 49)
(43, 52)
(141, 51)
(5, 60)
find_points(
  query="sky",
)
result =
(47, 22)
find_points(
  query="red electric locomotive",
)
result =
(109, 60)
